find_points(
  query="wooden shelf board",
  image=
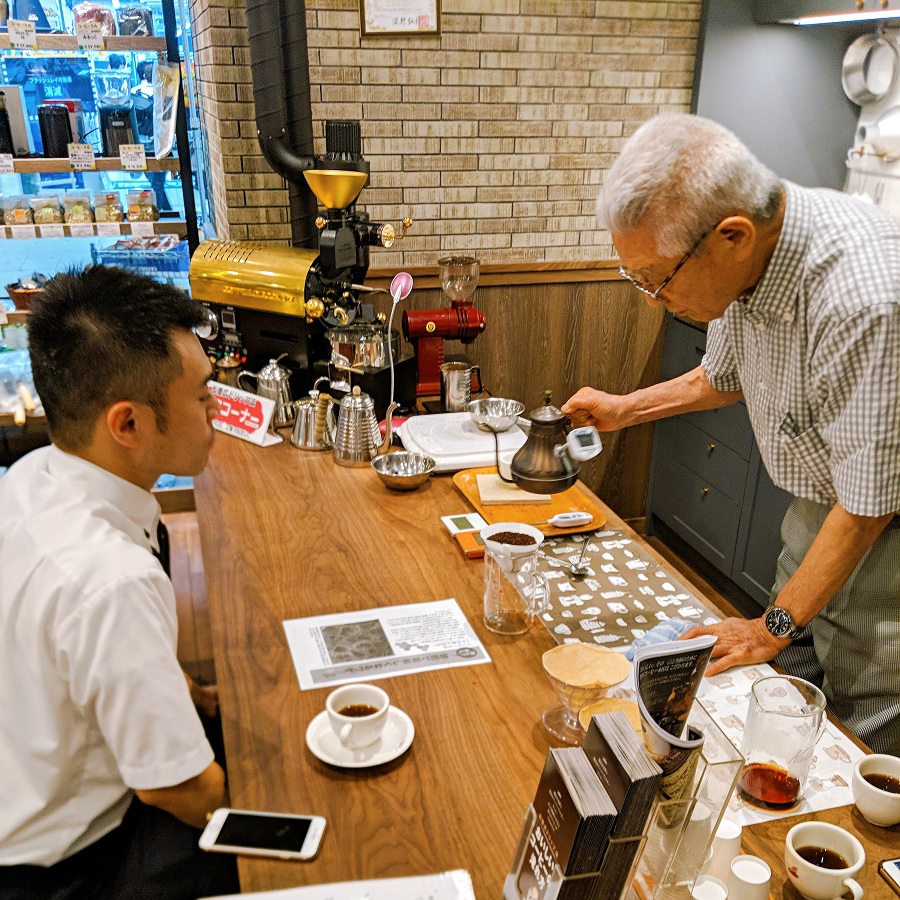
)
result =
(112, 43)
(37, 164)
(164, 226)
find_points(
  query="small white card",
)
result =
(143, 229)
(52, 231)
(133, 157)
(82, 229)
(464, 522)
(81, 157)
(89, 35)
(22, 35)
(7, 165)
(244, 415)
(109, 229)
(23, 232)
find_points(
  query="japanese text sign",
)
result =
(243, 414)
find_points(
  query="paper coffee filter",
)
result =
(511, 551)
(586, 665)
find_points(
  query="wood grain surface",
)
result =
(286, 534)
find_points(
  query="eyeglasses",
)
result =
(654, 294)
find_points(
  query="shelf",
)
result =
(164, 226)
(38, 164)
(112, 43)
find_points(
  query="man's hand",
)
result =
(204, 696)
(741, 642)
(606, 412)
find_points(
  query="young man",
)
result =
(107, 774)
(801, 288)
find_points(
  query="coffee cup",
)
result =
(726, 846)
(708, 887)
(748, 878)
(876, 788)
(358, 714)
(821, 860)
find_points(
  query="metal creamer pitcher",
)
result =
(272, 382)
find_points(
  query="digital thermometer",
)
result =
(584, 443)
(568, 520)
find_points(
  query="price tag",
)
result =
(81, 157)
(89, 35)
(133, 157)
(142, 229)
(81, 229)
(109, 229)
(23, 232)
(52, 231)
(22, 35)
(7, 166)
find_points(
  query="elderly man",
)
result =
(801, 288)
(107, 774)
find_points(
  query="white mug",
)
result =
(880, 807)
(355, 727)
(749, 878)
(816, 882)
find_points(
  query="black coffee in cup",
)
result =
(358, 710)
(888, 783)
(823, 857)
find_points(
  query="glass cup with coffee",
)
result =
(876, 788)
(821, 859)
(785, 719)
(358, 714)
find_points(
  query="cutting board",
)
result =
(575, 499)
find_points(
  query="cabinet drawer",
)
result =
(699, 513)
(708, 458)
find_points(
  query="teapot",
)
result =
(272, 382)
(357, 440)
(544, 463)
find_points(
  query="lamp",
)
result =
(822, 12)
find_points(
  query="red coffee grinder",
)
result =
(427, 329)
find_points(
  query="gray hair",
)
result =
(682, 174)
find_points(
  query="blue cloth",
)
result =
(668, 630)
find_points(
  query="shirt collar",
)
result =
(139, 506)
(775, 297)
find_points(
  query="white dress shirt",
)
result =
(93, 703)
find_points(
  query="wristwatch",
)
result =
(779, 623)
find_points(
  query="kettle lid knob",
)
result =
(547, 413)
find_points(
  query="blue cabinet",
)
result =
(708, 484)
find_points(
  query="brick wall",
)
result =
(492, 135)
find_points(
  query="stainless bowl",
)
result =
(495, 413)
(403, 471)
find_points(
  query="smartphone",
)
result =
(889, 869)
(263, 834)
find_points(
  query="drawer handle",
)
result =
(704, 492)
(709, 449)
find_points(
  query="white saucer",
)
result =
(398, 734)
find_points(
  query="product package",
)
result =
(17, 210)
(142, 206)
(77, 207)
(166, 83)
(91, 12)
(137, 20)
(47, 210)
(108, 207)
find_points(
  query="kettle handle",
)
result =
(247, 375)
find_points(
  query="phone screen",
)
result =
(263, 832)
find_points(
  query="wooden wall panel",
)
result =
(558, 337)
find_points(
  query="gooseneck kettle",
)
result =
(272, 381)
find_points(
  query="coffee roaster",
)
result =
(308, 304)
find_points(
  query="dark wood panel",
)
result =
(559, 337)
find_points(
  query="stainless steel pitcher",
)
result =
(358, 438)
(272, 382)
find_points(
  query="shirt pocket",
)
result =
(811, 453)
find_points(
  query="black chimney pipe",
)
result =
(279, 65)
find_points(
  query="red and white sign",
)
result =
(244, 415)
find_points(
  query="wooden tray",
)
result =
(575, 499)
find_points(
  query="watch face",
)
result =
(778, 621)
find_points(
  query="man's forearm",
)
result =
(836, 551)
(690, 392)
(192, 800)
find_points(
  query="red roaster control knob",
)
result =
(462, 323)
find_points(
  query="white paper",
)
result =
(82, 229)
(244, 415)
(22, 35)
(52, 231)
(89, 35)
(453, 885)
(7, 164)
(133, 157)
(109, 229)
(81, 157)
(142, 229)
(23, 232)
(382, 643)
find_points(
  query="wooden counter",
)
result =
(287, 533)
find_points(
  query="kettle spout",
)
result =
(388, 429)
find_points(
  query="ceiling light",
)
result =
(823, 12)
